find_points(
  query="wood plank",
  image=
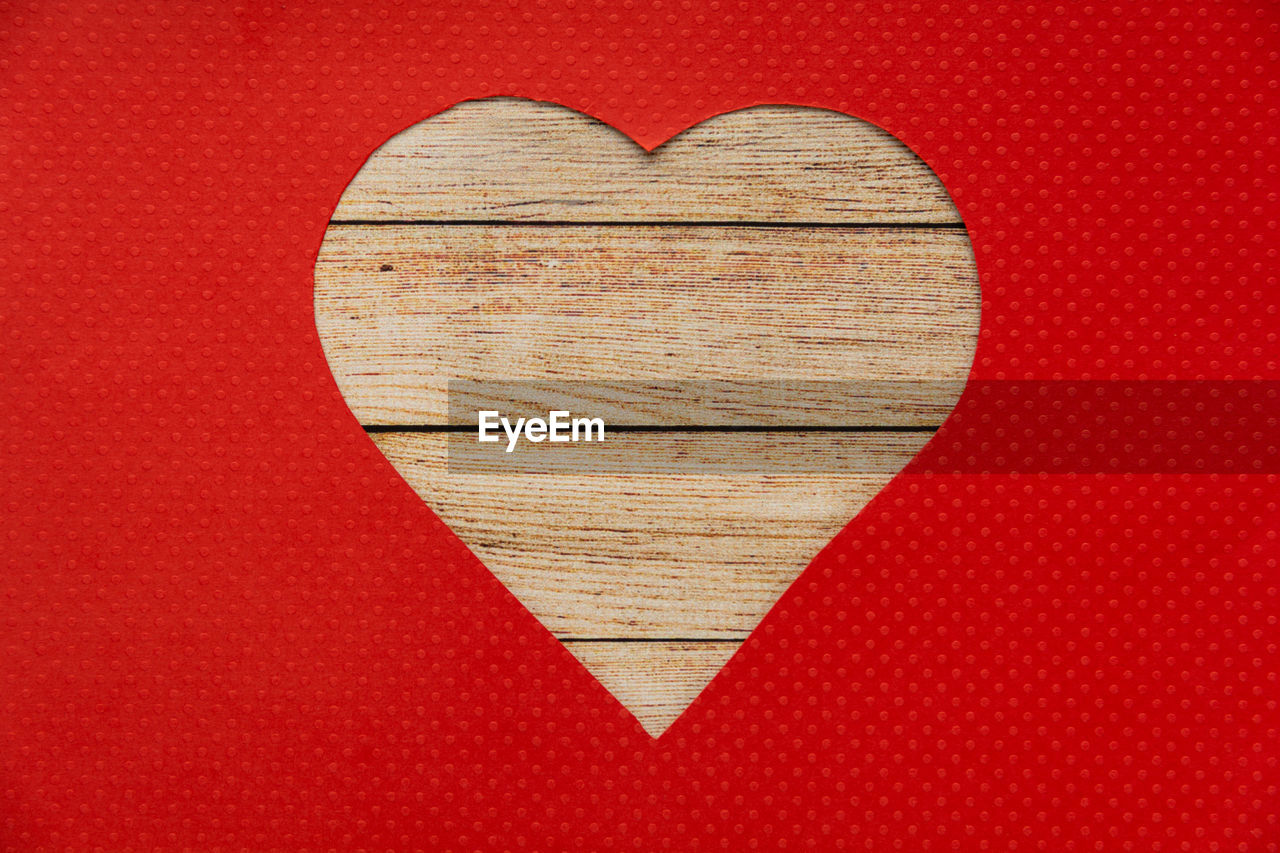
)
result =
(655, 680)
(711, 402)
(510, 159)
(702, 554)
(402, 310)
(648, 312)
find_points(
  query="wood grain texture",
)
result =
(805, 266)
(512, 160)
(404, 309)
(684, 552)
(655, 680)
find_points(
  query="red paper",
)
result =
(229, 625)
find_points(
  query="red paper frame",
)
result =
(228, 625)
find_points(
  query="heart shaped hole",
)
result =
(770, 314)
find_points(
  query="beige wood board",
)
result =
(404, 309)
(663, 554)
(654, 680)
(515, 160)
(774, 267)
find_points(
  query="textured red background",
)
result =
(228, 625)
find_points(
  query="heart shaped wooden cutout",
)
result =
(771, 313)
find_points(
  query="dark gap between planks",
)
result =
(652, 639)
(652, 223)
(664, 428)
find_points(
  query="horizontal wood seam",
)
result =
(671, 428)
(704, 640)
(655, 223)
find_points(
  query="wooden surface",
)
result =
(787, 303)
(542, 254)
(649, 526)
(627, 669)
(523, 161)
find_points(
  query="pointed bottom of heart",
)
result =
(655, 680)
